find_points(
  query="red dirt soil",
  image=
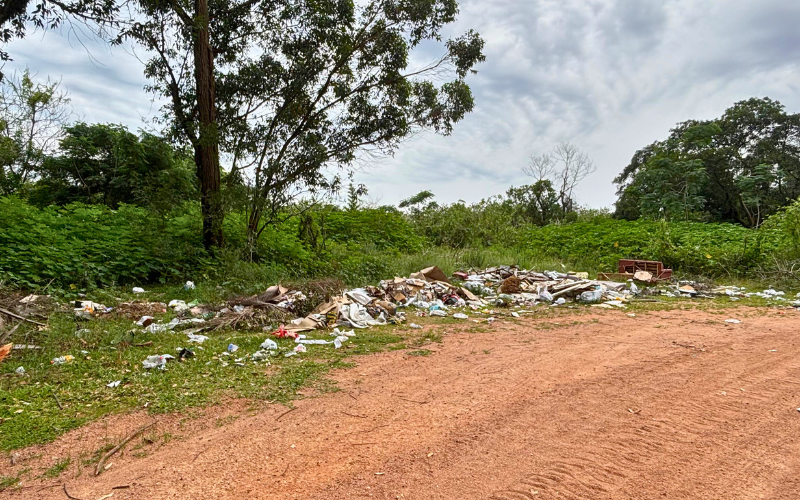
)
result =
(674, 404)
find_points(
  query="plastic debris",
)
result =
(591, 297)
(114, 384)
(156, 361)
(233, 348)
(284, 333)
(415, 326)
(300, 348)
(545, 296)
(5, 351)
(339, 333)
(261, 355)
(312, 341)
(178, 306)
(145, 321)
(515, 314)
(561, 301)
(199, 339)
(62, 360)
(189, 285)
(733, 321)
(184, 353)
(156, 328)
(269, 345)
(20, 371)
(138, 290)
(87, 309)
(460, 316)
(439, 313)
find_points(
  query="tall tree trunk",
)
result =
(206, 151)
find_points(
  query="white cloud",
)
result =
(609, 76)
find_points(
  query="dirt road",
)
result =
(675, 405)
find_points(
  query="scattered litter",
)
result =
(415, 326)
(20, 371)
(189, 285)
(87, 309)
(460, 316)
(62, 360)
(137, 290)
(22, 347)
(269, 345)
(339, 333)
(439, 313)
(157, 361)
(261, 355)
(5, 351)
(184, 353)
(283, 333)
(114, 384)
(179, 306)
(515, 314)
(145, 321)
(312, 341)
(733, 321)
(199, 339)
(231, 347)
(300, 348)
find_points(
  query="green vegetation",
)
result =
(57, 468)
(81, 247)
(742, 168)
(291, 95)
(29, 405)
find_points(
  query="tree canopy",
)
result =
(741, 167)
(108, 165)
(293, 87)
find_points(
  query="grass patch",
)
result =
(30, 413)
(7, 482)
(58, 468)
(421, 352)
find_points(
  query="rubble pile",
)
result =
(337, 313)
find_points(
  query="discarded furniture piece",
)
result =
(652, 267)
(642, 270)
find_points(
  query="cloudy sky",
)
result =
(609, 76)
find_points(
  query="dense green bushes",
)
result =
(83, 246)
(86, 245)
(709, 249)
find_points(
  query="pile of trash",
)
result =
(430, 292)
(336, 313)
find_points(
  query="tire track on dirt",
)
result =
(683, 431)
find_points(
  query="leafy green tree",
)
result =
(537, 204)
(293, 86)
(672, 189)
(416, 200)
(16, 18)
(353, 195)
(751, 159)
(32, 117)
(108, 165)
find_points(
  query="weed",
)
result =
(58, 468)
(7, 482)
(421, 352)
